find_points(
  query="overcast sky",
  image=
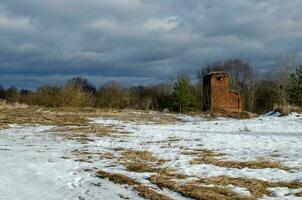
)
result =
(139, 41)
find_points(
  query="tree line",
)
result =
(260, 91)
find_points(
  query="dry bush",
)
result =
(112, 95)
(204, 156)
(258, 188)
(73, 96)
(143, 190)
(69, 95)
(46, 96)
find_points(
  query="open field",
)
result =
(104, 154)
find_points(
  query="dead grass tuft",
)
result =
(88, 156)
(171, 172)
(258, 188)
(140, 161)
(139, 167)
(79, 137)
(195, 190)
(139, 155)
(97, 129)
(299, 194)
(202, 153)
(3, 126)
(204, 156)
(143, 190)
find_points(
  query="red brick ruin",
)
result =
(217, 95)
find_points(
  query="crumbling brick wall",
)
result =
(217, 95)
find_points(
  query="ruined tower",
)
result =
(217, 96)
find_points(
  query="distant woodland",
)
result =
(261, 92)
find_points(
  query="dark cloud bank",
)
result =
(139, 41)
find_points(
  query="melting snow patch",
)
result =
(34, 161)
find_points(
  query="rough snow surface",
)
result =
(265, 137)
(32, 167)
(33, 163)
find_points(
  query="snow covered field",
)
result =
(38, 163)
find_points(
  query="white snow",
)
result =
(32, 167)
(265, 137)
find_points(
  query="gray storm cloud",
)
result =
(139, 41)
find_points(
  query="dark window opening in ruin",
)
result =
(219, 78)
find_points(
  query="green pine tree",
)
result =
(182, 94)
(295, 90)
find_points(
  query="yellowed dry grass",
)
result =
(89, 157)
(5, 105)
(139, 166)
(73, 122)
(202, 153)
(33, 115)
(299, 194)
(3, 126)
(143, 190)
(286, 109)
(204, 156)
(258, 188)
(140, 161)
(93, 128)
(140, 155)
(67, 116)
(88, 154)
(138, 116)
(195, 190)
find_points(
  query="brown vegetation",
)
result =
(143, 190)
(3, 126)
(204, 156)
(69, 95)
(70, 116)
(34, 115)
(258, 188)
(140, 161)
(286, 109)
(81, 133)
(87, 156)
(195, 190)
(140, 116)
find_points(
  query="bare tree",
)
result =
(285, 65)
(112, 95)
